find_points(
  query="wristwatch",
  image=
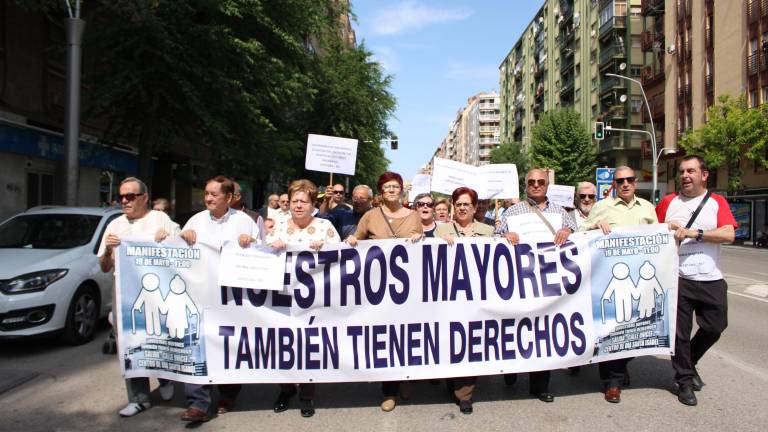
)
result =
(700, 235)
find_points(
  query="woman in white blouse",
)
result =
(301, 229)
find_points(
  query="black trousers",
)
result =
(612, 371)
(538, 381)
(709, 300)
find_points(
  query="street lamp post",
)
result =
(656, 155)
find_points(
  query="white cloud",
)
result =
(411, 16)
(387, 58)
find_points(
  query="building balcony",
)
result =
(683, 10)
(610, 144)
(709, 83)
(652, 7)
(652, 76)
(566, 85)
(753, 11)
(656, 105)
(489, 129)
(683, 93)
(610, 83)
(616, 112)
(764, 8)
(489, 140)
(489, 118)
(752, 63)
(708, 41)
(615, 23)
(489, 106)
(650, 40)
(685, 51)
(611, 51)
(567, 63)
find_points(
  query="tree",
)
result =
(513, 152)
(733, 132)
(560, 141)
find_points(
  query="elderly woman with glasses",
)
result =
(391, 220)
(301, 229)
(463, 225)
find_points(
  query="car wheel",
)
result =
(82, 316)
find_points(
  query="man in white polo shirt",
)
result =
(137, 220)
(701, 287)
(214, 226)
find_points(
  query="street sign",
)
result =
(604, 181)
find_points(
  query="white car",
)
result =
(50, 278)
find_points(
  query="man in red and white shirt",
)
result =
(701, 287)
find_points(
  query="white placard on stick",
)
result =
(489, 181)
(252, 267)
(419, 184)
(561, 195)
(331, 154)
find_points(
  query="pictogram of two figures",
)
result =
(624, 291)
(177, 306)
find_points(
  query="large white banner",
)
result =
(489, 181)
(394, 310)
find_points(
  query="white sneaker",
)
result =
(166, 390)
(134, 408)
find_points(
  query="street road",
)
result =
(45, 386)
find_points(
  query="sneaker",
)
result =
(166, 390)
(134, 408)
(388, 404)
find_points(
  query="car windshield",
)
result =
(48, 231)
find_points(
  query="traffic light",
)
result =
(599, 131)
(656, 197)
(393, 143)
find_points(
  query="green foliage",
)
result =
(513, 152)
(238, 82)
(733, 132)
(560, 141)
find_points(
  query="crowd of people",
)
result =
(304, 216)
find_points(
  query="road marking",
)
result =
(757, 290)
(733, 276)
(747, 296)
(746, 367)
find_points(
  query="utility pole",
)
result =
(74, 27)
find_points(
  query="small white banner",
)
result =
(561, 195)
(331, 154)
(489, 181)
(252, 267)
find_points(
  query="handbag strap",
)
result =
(698, 210)
(391, 230)
(543, 218)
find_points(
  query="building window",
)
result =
(636, 41)
(39, 189)
(635, 11)
(636, 104)
(753, 99)
(765, 95)
(635, 70)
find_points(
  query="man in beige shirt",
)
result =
(624, 210)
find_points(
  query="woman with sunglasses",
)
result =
(464, 225)
(424, 205)
(391, 220)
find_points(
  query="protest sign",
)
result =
(561, 195)
(331, 154)
(395, 310)
(489, 181)
(252, 267)
(420, 184)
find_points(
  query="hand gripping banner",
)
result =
(395, 310)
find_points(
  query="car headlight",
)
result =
(31, 282)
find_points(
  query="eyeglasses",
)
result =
(420, 204)
(460, 205)
(130, 196)
(585, 196)
(533, 182)
(391, 187)
(338, 192)
(624, 179)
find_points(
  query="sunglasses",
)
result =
(337, 192)
(533, 182)
(420, 204)
(585, 196)
(129, 196)
(624, 179)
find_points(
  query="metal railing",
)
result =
(752, 60)
(609, 52)
(615, 22)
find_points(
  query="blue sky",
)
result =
(440, 52)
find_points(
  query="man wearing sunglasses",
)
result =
(345, 219)
(137, 220)
(585, 199)
(537, 182)
(625, 210)
(334, 197)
